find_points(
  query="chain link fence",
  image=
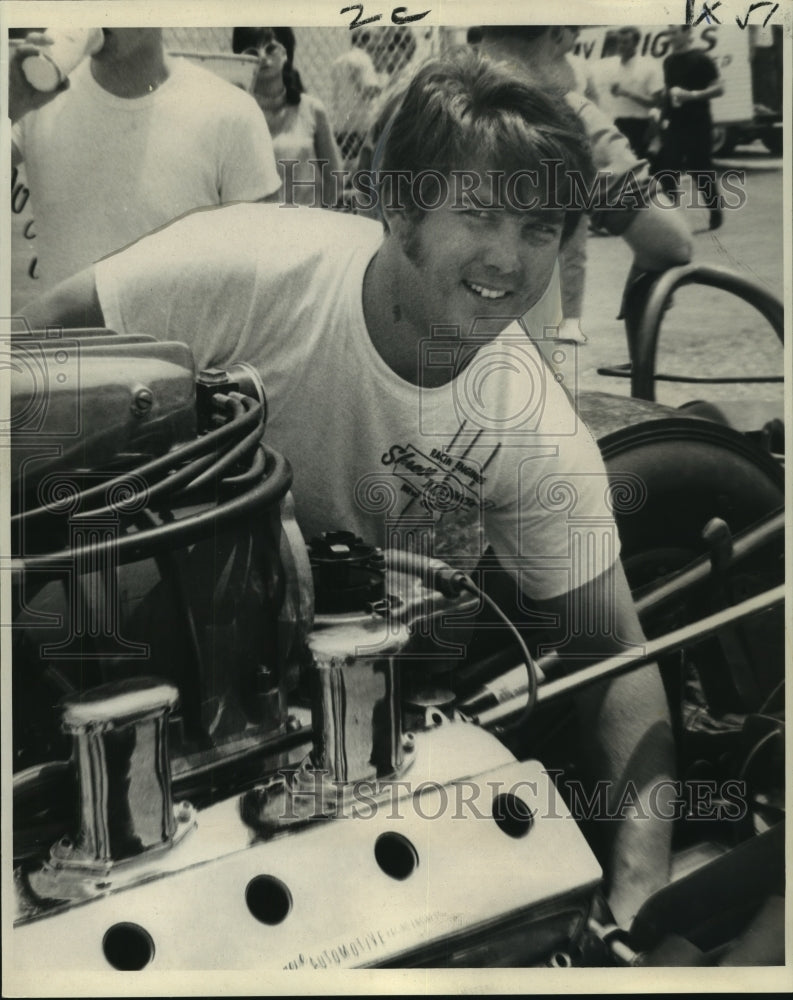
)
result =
(347, 70)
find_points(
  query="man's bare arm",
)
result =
(72, 303)
(716, 89)
(627, 736)
(646, 102)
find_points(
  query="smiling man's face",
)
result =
(468, 263)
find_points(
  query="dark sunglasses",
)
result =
(269, 49)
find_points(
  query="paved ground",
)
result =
(706, 331)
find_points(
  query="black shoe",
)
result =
(715, 218)
(617, 371)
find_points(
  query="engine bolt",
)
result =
(184, 812)
(142, 401)
(213, 376)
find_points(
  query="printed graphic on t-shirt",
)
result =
(442, 488)
(439, 481)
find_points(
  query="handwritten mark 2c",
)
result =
(399, 15)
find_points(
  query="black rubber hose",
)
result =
(246, 416)
(184, 531)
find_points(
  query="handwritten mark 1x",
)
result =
(707, 13)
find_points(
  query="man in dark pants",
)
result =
(691, 79)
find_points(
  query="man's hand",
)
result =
(678, 96)
(22, 95)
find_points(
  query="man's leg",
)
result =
(572, 274)
(670, 161)
(705, 178)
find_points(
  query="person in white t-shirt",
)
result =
(406, 395)
(629, 90)
(135, 139)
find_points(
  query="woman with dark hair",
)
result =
(305, 149)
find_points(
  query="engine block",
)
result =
(471, 859)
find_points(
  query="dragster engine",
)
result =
(239, 748)
(212, 715)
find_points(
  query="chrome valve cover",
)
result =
(472, 850)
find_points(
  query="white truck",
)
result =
(749, 61)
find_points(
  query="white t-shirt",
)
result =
(640, 75)
(104, 170)
(296, 139)
(496, 455)
(581, 74)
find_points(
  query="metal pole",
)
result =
(615, 665)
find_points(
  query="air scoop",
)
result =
(125, 810)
